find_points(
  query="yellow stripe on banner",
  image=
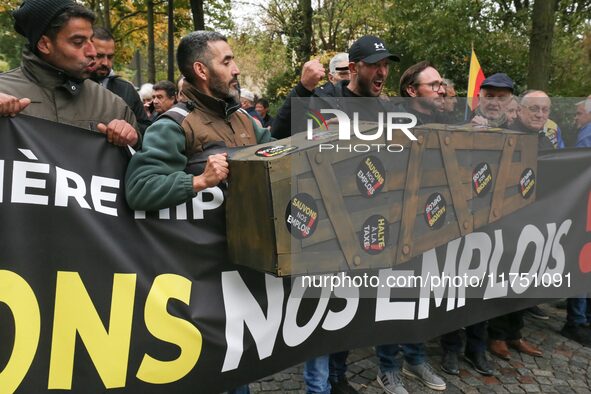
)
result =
(472, 78)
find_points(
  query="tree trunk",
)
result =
(171, 40)
(305, 49)
(198, 16)
(540, 46)
(107, 11)
(151, 57)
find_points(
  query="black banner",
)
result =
(94, 296)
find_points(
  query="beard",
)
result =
(365, 88)
(223, 90)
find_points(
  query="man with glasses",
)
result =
(424, 85)
(532, 116)
(338, 68)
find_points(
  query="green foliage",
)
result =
(269, 56)
(11, 43)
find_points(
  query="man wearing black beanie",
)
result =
(51, 82)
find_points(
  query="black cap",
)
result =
(33, 17)
(498, 80)
(370, 49)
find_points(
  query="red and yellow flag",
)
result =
(475, 79)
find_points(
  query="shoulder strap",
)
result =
(178, 113)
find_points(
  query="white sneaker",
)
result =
(425, 373)
(391, 382)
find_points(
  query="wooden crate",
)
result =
(293, 210)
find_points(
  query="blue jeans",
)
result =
(240, 390)
(316, 375)
(578, 311)
(390, 356)
(318, 371)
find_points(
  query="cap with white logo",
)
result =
(370, 49)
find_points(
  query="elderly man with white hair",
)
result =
(338, 68)
(583, 123)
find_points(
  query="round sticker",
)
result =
(374, 234)
(301, 216)
(527, 183)
(435, 210)
(370, 176)
(482, 179)
(271, 151)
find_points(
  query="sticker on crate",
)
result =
(435, 210)
(301, 216)
(371, 176)
(272, 151)
(374, 234)
(527, 183)
(482, 179)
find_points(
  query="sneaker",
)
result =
(342, 387)
(425, 373)
(391, 382)
(537, 313)
(578, 334)
(450, 363)
(479, 362)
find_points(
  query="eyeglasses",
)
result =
(435, 86)
(342, 71)
(537, 108)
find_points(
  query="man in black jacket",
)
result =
(103, 74)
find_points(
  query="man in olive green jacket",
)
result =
(51, 82)
(209, 118)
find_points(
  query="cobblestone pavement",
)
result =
(564, 368)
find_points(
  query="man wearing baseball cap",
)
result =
(52, 81)
(495, 94)
(369, 62)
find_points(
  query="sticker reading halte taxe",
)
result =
(301, 216)
(374, 234)
(370, 176)
(272, 151)
(435, 210)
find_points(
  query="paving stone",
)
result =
(524, 371)
(543, 380)
(508, 379)
(558, 382)
(369, 374)
(576, 383)
(499, 389)
(514, 388)
(354, 368)
(548, 389)
(361, 380)
(492, 380)
(485, 390)
(530, 388)
(291, 385)
(542, 372)
(526, 379)
(268, 386)
(564, 390)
